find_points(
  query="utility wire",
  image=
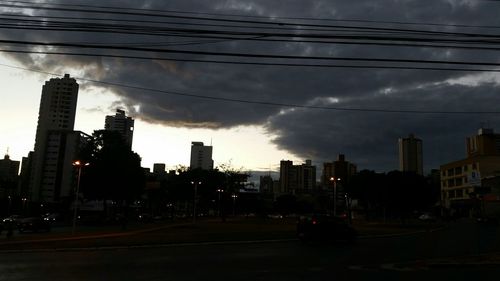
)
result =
(265, 17)
(245, 55)
(274, 64)
(255, 102)
(154, 14)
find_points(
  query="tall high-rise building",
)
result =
(52, 169)
(201, 156)
(122, 124)
(410, 155)
(340, 169)
(297, 178)
(25, 175)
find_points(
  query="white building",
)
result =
(121, 123)
(52, 172)
(201, 156)
(410, 155)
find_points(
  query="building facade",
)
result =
(201, 156)
(410, 155)
(339, 169)
(295, 179)
(159, 169)
(9, 176)
(122, 124)
(56, 120)
(461, 179)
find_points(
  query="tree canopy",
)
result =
(114, 172)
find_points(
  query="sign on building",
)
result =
(474, 178)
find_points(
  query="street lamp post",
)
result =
(234, 196)
(219, 191)
(334, 180)
(24, 205)
(10, 205)
(195, 183)
(79, 165)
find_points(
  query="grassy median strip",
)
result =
(213, 230)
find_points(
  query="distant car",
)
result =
(13, 219)
(324, 228)
(52, 217)
(33, 224)
(487, 220)
(427, 217)
(275, 216)
(145, 217)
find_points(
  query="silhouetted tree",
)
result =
(114, 172)
(395, 194)
(286, 204)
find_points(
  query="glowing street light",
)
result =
(79, 164)
(219, 191)
(24, 205)
(234, 196)
(195, 183)
(334, 181)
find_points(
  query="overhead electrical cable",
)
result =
(265, 103)
(273, 17)
(247, 55)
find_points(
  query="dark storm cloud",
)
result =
(367, 138)
(370, 139)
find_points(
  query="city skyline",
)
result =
(208, 102)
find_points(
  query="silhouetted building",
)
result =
(297, 178)
(288, 176)
(58, 173)
(25, 175)
(122, 124)
(9, 174)
(159, 169)
(51, 158)
(266, 184)
(486, 142)
(410, 155)
(339, 169)
(201, 156)
(461, 179)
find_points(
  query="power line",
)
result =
(352, 40)
(265, 103)
(245, 55)
(267, 17)
(155, 14)
(357, 66)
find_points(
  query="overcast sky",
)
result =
(259, 136)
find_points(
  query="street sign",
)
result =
(474, 177)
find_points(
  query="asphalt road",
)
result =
(391, 258)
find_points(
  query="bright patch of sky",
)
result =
(247, 147)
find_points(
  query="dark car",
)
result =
(145, 217)
(33, 224)
(12, 219)
(324, 228)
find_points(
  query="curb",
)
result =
(170, 245)
(105, 235)
(402, 233)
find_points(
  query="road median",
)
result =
(204, 231)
